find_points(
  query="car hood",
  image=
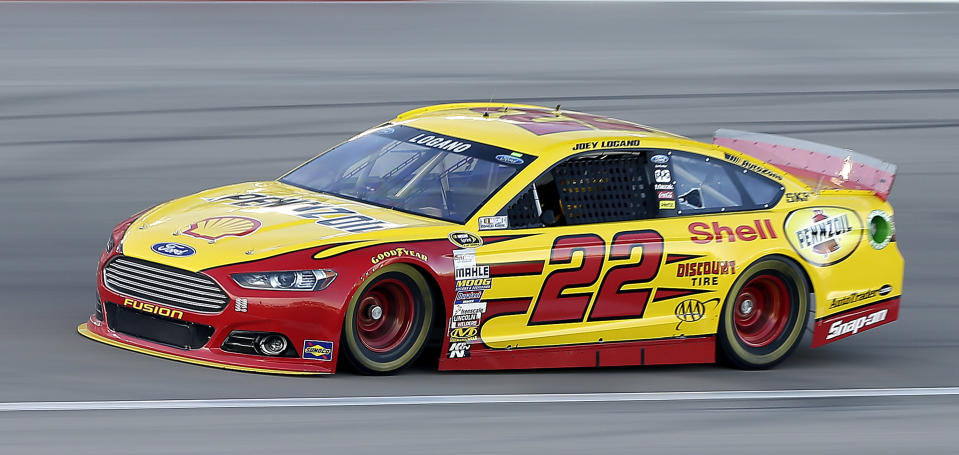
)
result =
(251, 221)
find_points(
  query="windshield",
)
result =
(412, 170)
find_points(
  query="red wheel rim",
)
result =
(762, 311)
(384, 315)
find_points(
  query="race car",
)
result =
(512, 237)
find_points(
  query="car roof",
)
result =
(510, 125)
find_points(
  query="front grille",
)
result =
(165, 285)
(171, 332)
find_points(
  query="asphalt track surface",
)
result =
(109, 108)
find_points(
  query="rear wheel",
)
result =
(764, 315)
(388, 320)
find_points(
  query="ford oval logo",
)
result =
(659, 159)
(173, 249)
(509, 159)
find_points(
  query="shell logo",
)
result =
(223, 226)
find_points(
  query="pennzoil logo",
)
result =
(151, 308)
(223, 226)
(823, 235)
(325, 213)
(464, 334)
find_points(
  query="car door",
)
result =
(621, 246)
(582, 260)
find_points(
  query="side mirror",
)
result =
(693, 198)
(548, 217)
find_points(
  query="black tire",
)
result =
(764, 315)
(369, 348)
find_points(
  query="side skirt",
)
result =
(654, 352)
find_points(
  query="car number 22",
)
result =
(610, 301)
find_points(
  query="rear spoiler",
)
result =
(817, 164)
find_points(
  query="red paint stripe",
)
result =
(671, 258)
(647, 352)
(672, 293)
(516, 268)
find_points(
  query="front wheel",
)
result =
(764, 315)
(388, 320)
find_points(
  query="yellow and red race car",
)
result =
(515, 236)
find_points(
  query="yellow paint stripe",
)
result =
(83, 330)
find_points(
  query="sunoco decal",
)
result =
(318, 350)
(823, 235)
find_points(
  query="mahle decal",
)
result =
(823, 235)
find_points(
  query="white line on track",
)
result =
(475, 399)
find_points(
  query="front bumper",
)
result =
(98, 331)
(302, 317)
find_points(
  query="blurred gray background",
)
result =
(106, 109)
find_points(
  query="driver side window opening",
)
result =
(586, 189)
(705, 185)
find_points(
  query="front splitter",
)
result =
(83, 330)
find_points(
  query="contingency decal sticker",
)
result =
(318, 350)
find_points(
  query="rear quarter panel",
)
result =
(860, 273)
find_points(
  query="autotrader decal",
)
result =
(856, 297)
